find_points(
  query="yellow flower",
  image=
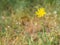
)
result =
(40, 12)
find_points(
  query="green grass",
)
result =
(17, 20)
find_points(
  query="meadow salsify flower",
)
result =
(40, 12)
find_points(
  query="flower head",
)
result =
(40, 12)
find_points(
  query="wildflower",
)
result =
(8, 26)
(55, 12)
(40, 12)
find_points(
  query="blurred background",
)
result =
(19, 24)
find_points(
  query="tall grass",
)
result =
(17, 17)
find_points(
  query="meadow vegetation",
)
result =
(29, 22)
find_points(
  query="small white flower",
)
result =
(8, 26)
(55, 12)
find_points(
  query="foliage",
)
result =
(19, 24)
